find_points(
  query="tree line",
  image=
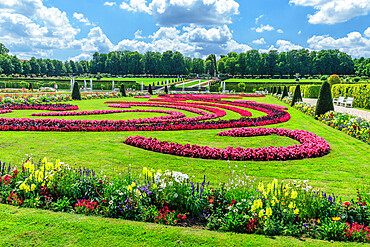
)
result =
(302, 62)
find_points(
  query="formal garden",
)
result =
(192, 169)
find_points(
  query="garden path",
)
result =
(351, 111)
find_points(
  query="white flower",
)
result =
(175, 195)
(170, 183)
(110, 202)
(163, 185)
(121, 194)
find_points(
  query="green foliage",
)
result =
(332, 230)
(278, 90)
(297, 97)
(334, 79)
(241, 85)
(360, 93)
(166, 89)
(311, 91)
(356, 79)
(76, 95)
(285, 92)
(172, 87)
(150, 91)
(122, 90)
(324, 77)
(325, 101)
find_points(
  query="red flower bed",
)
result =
(311, 146)
(46, 107)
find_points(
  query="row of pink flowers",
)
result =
(45, 107)
(5, 111)
(143, 97)
(311, 146)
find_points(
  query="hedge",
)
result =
(62, 84)
(360, 92)
(311, 91)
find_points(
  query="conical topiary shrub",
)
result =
(273, 90)
(325, 101)
(150, 89)
(297, 97)
(122, 90)
(285, 92)
(279, 90)
(76, 92)
(166, 89)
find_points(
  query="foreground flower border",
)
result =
(311, 146)
(243, 205)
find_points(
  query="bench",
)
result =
(348, 102)
(340, 101)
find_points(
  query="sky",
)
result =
(76, 29)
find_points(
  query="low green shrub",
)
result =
(311, 91)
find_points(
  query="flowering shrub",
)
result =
(311, 146)
(242, 205)
(86, 207)
(354, 126)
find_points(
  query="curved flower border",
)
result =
(311, 146)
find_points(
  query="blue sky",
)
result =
(66, 29)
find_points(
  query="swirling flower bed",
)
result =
(311, 146)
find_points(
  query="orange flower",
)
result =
(335, 218)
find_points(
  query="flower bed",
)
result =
(243, 205)
(354, 126)
(311, 146)
(48, 107)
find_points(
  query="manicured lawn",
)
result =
(36, 227)
(146, 81)
(196, 82)
(341, 171)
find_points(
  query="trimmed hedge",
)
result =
(311, 91)
(360, 92)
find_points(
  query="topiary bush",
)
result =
(122, 90)
(166, 89)
(76, 92)
(279, 90)
(285, 93)
(325, 101)
(150, 91)
(297, 97)
(334, 79)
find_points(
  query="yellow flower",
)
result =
(145, 171)
(291, 205)
(296, 211)
(294, 194)
(261, 187)
(335, 218)
(319, 221)
(268, 211)
(261, 213)
(33, 187)
(154, 186)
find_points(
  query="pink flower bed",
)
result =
(311, 146)
(5, 111)
(45, 107)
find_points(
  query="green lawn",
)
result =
(196, 82)
(273, 80)
(146, 81)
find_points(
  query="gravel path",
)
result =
(351, 111)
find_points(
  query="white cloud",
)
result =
(367, 32)
(80, 17)
(280, 31)
(258, 18)
(299, 32)
(110, 4)
(178, 12)
(354, 43)
(28, 28)
(260, 41)
(81, 57)
(282, 46)
(263, 28)
(139, 34)
(334, 11)
(96, 41)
